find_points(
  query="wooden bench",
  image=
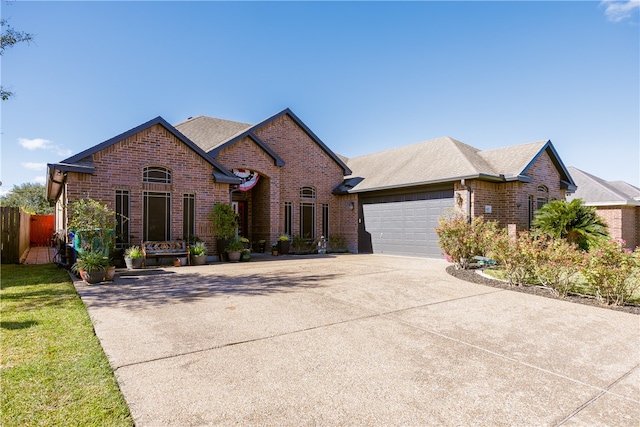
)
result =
(165, 249)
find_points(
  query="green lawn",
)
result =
(54, 371)
(579, 285)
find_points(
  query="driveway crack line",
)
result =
(521, 362)
(310, 328)
(598, 396)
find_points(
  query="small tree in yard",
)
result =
(612, 272)
(462, 239)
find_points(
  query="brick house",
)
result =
(402, 192)
(165, 183)
(281, 178)
(617, 202)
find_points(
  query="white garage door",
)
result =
(405, 228)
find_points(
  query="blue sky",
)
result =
(364, 76)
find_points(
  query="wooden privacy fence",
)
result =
(16, 225)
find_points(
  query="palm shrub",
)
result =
(612, 272)
(572, 221)
(462, 239)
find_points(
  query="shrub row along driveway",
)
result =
(359, 340)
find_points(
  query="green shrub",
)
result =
(555, 263)
(303, 245)
(572, 221)
(462, 239)
(612, 273)
(514, 254)
(337, 243)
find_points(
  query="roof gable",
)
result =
(83, 161)
(250, 132)
(210, 132)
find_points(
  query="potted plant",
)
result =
(110, 272)
(91, 265)
(133, 257)
(245, 242)
(92, 225)
(274, 249)
(198, 253)
(284, 242)
(225, 224)
(234, 250)
(262, 246)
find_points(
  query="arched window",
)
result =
(542, 197)
(307, 193)
(156, 175)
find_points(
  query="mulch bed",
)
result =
(471, 275)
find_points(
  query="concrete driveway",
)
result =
(359, 340)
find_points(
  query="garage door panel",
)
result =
(405, 228)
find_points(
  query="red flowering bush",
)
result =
(612, 272)
(462, 239)
(515, 254)
(555, 263)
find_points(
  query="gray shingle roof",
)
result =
(514, 160)
(209, 132)
(596, 191)
(440, 160)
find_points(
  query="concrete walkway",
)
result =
(39, 255)
(359, 340)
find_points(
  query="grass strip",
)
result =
(53, 369)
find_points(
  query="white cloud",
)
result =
(34, 166)
(617, 11)
(34, 144)
(44, 144)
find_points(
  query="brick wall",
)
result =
(509, 201)
(306, 165)
(119, 167)
(622, 222)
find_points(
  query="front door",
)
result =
(240, 208)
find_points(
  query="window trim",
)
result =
(123, 225)
(325, 220)
(288, 218)
(145, 214)
(313, 233)
(149, 179)
(191, 219)
(307, 192)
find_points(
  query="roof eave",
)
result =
(413, 184)
(630, 202)
(225, 179)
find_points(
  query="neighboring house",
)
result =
(281, 178)
(402, 192)
(617, 202)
